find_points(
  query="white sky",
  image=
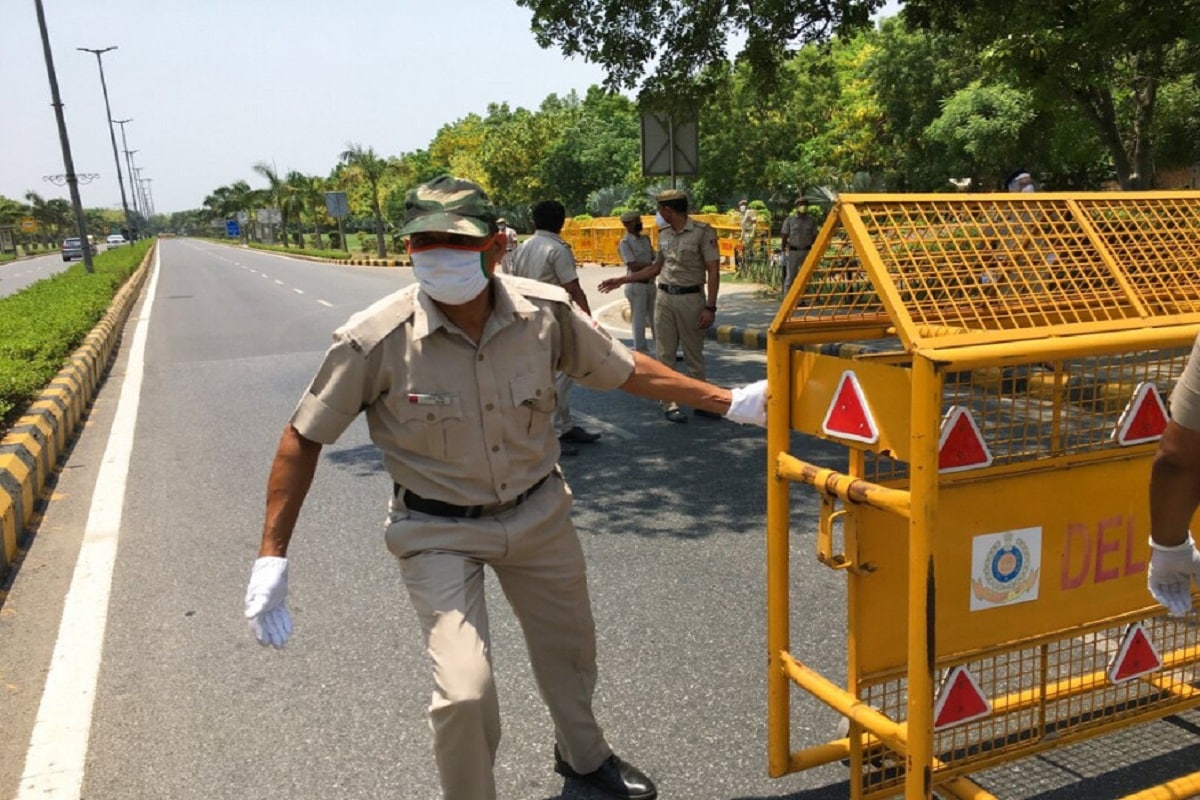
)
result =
(214, 87)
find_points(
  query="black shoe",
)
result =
(567, 449)
(675, 415)
(615, 778)
(700, 412)
(579, 436)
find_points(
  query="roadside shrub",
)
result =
(41, 325)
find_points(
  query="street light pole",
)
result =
(68, 162)
(111, 133)
(128, 163)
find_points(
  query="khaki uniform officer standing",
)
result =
(688, 278)
(637, 254)
(456, 378)
(1175, 495)
(546, 257)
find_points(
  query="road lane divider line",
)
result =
(54, 762)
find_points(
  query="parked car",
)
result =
(115, 240)
(72, 247)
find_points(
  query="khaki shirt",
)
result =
(799, 232)
(456, 422)
(1185, 399)
(544, 257)
(685, 255)
(635, 250)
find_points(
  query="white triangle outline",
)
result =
(1120, 434)
(1123, 651)
(944, 696)
(849, 375)
(948, 423)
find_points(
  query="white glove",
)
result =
(749, 405)
(1170, 575)
(265, 597)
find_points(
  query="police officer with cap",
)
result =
(455, 375)
(637, 253)
(688, 277)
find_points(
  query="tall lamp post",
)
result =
(128, 161)
(111, 133)
(68, 162)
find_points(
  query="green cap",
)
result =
(448, 205)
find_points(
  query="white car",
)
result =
(115, 240)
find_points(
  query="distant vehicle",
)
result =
(72, 247)
(115, 240)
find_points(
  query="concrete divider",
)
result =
(31, 450)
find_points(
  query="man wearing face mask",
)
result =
(637, 254)
(1020, 181)
(546, 257)
(456, 377)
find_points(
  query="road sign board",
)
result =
(232, 228)
(335, 205)
(28, 224)
(670, 146)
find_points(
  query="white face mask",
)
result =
(450, 275)
(1027, 187)
(659, 220)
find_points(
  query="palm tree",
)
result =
(276, 190)
(226, 201)
(366, 165)
(309, 190)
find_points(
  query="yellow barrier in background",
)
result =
(595, 240)
(999, 409)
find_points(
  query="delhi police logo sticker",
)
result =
(1005, 568)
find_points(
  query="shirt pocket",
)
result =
(436, 430)
(533, 400)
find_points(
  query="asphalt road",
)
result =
(187, 706)
(17, 275)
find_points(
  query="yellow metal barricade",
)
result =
(595, 240)
(997, 367)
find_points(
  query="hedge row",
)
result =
(41, 325)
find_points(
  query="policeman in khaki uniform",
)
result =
(456, 377)
(687, 271)
(1175, 495)
(636, 254)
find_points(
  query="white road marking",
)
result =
(298, 291)
(327, 305)
(58, 745)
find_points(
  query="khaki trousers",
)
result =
(535, 553)
(677, 326)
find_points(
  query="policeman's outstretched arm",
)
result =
(291, 476)
(1174, 496)
(652, 379)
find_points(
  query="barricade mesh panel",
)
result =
(1042, 696)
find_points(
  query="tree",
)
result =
(598, 146)
(277, 191)
(309, 193)
(680, 40)
(364, 165)
(1106, 58)
(226, 201)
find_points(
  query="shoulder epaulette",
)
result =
(367, 328)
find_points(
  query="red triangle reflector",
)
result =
(960, 700)
(1144, 418)
(961, 445)
(1135, 657)
(849, 416)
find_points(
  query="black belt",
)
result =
(437, 508)
(669, 289)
